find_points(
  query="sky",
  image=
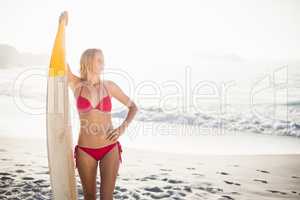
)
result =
(249, 29)
(158, 39)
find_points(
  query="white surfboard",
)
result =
(59, 132)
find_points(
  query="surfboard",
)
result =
(59, 131)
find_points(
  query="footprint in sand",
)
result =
(27, 178)
(151, 177)
(178, 197)
(227, 197)
(39, 181)
(232, 183)
(135, 195)
(6, 178)
(20, 165)
(277, 192)
(6, 159)
(118, 188)
(182, 194)
(187, 188)
(190, 168)
(235, 193)
(197, 174)
(160, 196)
(263, 171)
(167, 187)
(15, 191)
(209, 189)
(44, 172)
(20, 171)
(5, 174)
(153, 189)
(44, 185)
(167, 170)
(222, 173)
(170, 192)
(176, 188)
(172, 180)
(260, 180)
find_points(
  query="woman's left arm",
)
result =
(118, 93)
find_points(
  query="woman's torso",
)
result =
(94, 106)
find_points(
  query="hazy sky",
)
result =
(155, 40)
(158, 33)
(247, 28)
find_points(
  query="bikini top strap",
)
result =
(80, 90)
(105, 88)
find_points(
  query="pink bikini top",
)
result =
(84, 105)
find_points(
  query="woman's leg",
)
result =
(87, 170)
(109, 167)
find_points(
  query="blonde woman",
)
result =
(98, 140)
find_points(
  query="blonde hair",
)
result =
(86, 61)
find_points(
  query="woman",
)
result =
(98, 140)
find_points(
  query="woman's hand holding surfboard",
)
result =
(63, 18)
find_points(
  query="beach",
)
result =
(146, 174)
(215, 87)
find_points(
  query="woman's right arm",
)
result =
(73, 80)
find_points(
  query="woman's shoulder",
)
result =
(110, 85)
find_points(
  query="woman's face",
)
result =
(98, 62)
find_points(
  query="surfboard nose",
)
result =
(58, 60)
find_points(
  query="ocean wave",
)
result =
(238, 121)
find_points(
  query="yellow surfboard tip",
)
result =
(58, 56)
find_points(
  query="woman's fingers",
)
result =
(112, 135)
(64, 17)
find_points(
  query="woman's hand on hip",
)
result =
(114, 134)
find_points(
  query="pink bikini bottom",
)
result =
(98, 153)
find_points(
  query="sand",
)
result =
(148, 174)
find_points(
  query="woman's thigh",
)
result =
(109, 167)
(87, 170)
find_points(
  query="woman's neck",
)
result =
(93, 80)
